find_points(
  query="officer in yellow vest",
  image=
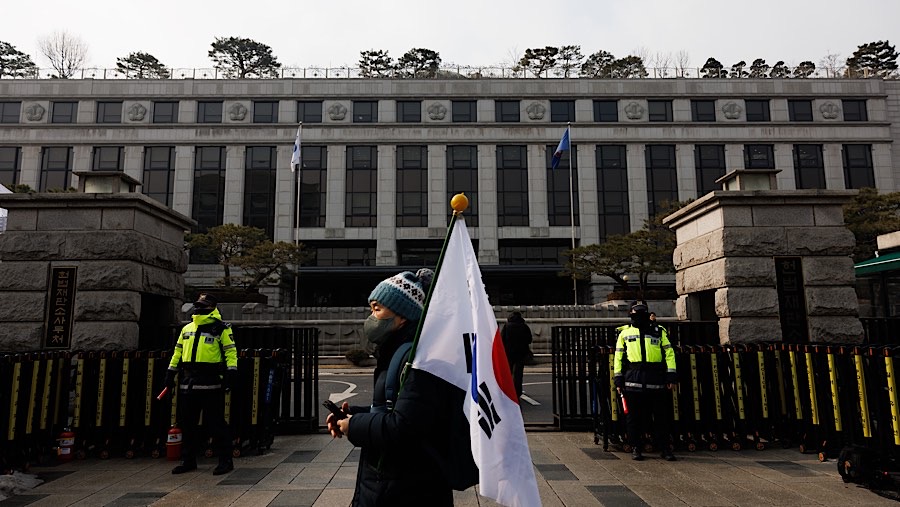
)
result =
(644, 372)
(207, 357)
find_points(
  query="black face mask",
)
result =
(639, 319)
(203, 311)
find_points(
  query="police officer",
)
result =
(207, 357)
(644, 373)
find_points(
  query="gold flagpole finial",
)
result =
(459, 203)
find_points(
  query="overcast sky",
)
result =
(465, 32)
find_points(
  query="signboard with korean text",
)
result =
(60, 308)
(791, 299)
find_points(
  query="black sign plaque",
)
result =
(60, 308)
(791, 299)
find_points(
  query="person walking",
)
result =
(644, 373)
(516, 336)
(206, 357)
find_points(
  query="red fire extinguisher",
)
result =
(173, 444)
(65, 446)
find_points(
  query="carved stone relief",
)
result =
(536, 111)
(732, 110)
(437, 111)
(634, 111)
(830, 110)
(34, 112)
(137, 112)
(337, 112)
(237, 112)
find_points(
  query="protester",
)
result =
(416, 447)
(644, 372)
(516, 337)
(207, 358)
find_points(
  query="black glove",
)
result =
(671, 378)
(619, 381)
(230, 379)
(170, 379)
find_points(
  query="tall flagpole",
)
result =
(297, 170)
(572, 207)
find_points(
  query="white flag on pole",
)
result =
(460, 343)
(295, 156)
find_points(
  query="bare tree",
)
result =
(682, 62)
(833, 65)
(662, 63)
(66, 53)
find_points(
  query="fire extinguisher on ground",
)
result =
(173, 444)
(65, 446)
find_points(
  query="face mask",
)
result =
(377, 330)
(640, 318)
(202, 311)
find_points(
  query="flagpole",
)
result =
(297, 216)
(572, 207)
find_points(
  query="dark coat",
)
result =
(516, 336)
(422, 446)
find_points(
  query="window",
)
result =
(809, 167)
(165, 112)
(309, 111)
(412, 186)
(855, 110)
(56, 168)
(209, 112)
(858, 169)
(541, 252)
(409, 111)
(462, 176)
(10, 111)
(757, 110)
(209, 188)
(109, 112)
(107, 158)
(9, 165)
(800, 110)
(662, 177)
(313, 181)
(759, 156)
(606, 111)
(362, 173)
(559, 193)
(703, 110)
(365, 111)
(709, 160)
(64, 112)
(265, 111)
(659, 110)
(259, 188)
(418, 253)
(562, 110)
(612, 190)
(159, 173)
(512, 185)
(506, 110)
(463, 111)
(342, 253)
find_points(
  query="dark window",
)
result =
(606, 111)
(362, 173)
(562, 110)
(800, 110)
(265, 111)
(409, 111)
(64, 112)
(159, 173)
(9, 165)
(541, 252)
(412, 186)
(512, 185)
(612, 190)
(418, 253)
(464, 111)
(107, 158)
(757, 110)
(309, 111)
(313, 181)
(659, 110)
(809, 166)
(462, 177)
(559, 192)
(165, 112)
(209, 112)
(341, 253)
(855, 110)
(858, 169)
(209, 187)
(662, 177)
(506, 110)
(259, 188)
(703, 110)
(759, 156)
(10, 111)
(365, 111)
(709, 160)
(109, 112)
(56, 168)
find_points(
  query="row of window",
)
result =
(462, 111)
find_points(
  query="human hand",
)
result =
(619, 390)
(344, 425)
(670, 387)
(333, 424)
(170, 379)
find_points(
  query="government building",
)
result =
(382, 157)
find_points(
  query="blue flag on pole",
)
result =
(563, 146)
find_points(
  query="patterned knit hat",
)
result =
(404, 294)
